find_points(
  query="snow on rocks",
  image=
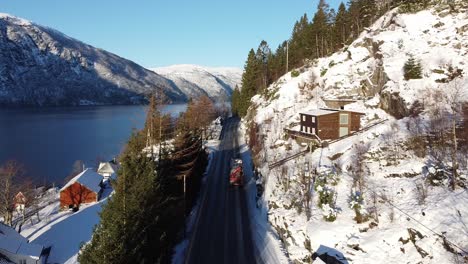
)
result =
(397, 197)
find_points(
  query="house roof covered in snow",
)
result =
(327, 111)
(13, 242)
(319, 112)
(106, 167)
(88, 178)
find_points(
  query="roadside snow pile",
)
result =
(381, 196)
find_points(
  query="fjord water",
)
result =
(48, 141)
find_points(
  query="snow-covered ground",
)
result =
(438, 39)
(268, 248)
(64, 231)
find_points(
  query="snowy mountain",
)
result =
(193, 80)
(408, 214)
(41, 66)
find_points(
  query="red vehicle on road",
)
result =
(236, 177)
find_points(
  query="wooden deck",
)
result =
(303, 135)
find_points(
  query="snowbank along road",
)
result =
(222, 228)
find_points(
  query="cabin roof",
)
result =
(106, 167)
(327, 111)
(319, 112)
(87, 178)
(13, 242)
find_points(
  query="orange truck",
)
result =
(236, 177)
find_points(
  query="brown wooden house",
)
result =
(330, 123)
(83, 188)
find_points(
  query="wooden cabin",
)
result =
(330, 123)
(82, 189)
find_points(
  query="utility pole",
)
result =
(185, 209)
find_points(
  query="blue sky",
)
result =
(157, 33)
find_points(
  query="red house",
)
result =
(82, 189)
(20, 201)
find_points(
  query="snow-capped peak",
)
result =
(196, 80)
(15, 20)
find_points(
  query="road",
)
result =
(222, 231)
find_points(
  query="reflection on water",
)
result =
(48, 141)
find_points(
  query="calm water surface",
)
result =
(49, 141)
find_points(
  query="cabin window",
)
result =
(313, 119)
(343, 119)
(303, 118)
(313, 130)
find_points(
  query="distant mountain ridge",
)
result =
(42, 67)
(217, 83)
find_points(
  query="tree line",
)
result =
(155, 188)
(327, 32)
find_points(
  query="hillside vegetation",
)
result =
(395, 193)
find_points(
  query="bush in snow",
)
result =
(295, 73)
(437, 176)
(329, 213)
(323, 71)
(326, 195)
(412, 69)
(326, 178)
(357, 203)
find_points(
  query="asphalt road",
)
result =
(222, 231)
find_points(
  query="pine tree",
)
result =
(119, 238)
(250, 81)
(412, 69)
(340, 28)
(300, 46)
(263, 57)
(235, 106)
(320, 29)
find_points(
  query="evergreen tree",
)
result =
(300, 46)
(118, 237)
(250, 79)
(321, 29)
(263, 57)
(235, 106)
(412, 69)
(142, 221)
(340, 28)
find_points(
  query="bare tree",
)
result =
(9, 174)
(455, 97)
(359, 169)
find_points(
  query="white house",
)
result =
(17, 249)
(107, 170)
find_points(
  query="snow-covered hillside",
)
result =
(403, 204)
(41, 66)
(194, 80)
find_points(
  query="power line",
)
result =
(423, 225)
